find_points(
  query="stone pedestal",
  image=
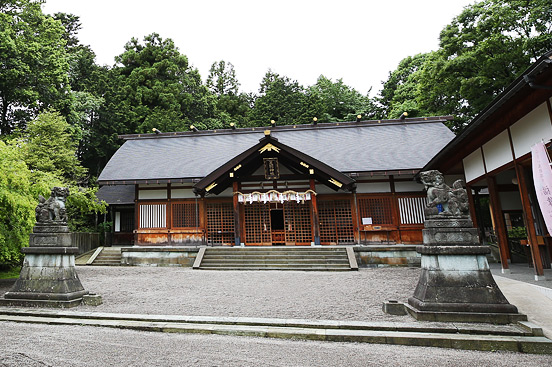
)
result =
(48, 277)
(456, 283)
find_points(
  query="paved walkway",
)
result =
(533, 298)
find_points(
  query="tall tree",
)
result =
(284, 101)
(400, 91)
(232, 106)
(151, 86)
(483, 50)
(16, 203)
(340, 101)
(222, 79)
(33, 66)
(48, 146)
(158, 88)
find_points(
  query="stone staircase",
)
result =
(276, 258)
(106, 256)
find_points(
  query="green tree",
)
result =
(33, 65)
(284, 101)
(340, 101)
(156, 87)
(232, 106)
(400, 91)
(48, 146)
(16, 204)
(483, 50)
(222, 79)
(50, 152)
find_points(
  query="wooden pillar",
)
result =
(500, 227)
(136, 213)
(315, 218)
(395, 207)
(169, 215)
(473, 212)
(237, 222)
(529, 222)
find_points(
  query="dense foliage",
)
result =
(481, 51)
(60, 112)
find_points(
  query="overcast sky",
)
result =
(359, 41)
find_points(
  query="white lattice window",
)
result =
(412, 210)
(153, 215)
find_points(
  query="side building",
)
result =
(321, 184)
(494, 154)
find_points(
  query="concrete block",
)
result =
(92, 299)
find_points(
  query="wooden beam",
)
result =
(529, 221)
(498, 219)
(315, 217)
(237, 222)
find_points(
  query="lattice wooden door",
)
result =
(336, 222)
(298, 224)
(257, 224)
(377, 208)
(220, 223)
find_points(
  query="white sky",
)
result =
(360, 41)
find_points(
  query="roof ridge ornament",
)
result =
(269, 147)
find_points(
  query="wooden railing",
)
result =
(85, 241)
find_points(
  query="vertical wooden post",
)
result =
(169, 215)
(237, 222)
(500, 227)
(315, 218)
(529, 222)
(136, 213)
(395, 207)
(471, 202)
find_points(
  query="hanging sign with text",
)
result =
(542, 176)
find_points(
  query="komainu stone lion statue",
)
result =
(53, 209)
(441, 198)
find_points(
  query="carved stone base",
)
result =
(457, 279)
(47, 278)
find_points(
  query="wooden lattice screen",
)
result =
(220, 223)
(257, 224)
(377, 208)
(185, 215)
(412, 210)
(153, 215)
(336, 221)
(297, 218)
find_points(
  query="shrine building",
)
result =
(320, 184)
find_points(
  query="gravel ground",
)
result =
(316, 295)
(46, 345)
(281, 294)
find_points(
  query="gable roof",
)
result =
(269, 147)
(366, 146)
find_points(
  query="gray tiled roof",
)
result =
(120, 194)
(356, 147)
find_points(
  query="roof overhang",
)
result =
(474, 131)
(251, 159)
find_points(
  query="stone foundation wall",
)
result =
(381, 256)
(366, 256)
(159, 256)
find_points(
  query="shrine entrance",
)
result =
(276, 224)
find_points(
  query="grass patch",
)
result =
(10, 273)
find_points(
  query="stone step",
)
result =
(274, 261)
(479, 337)
(279, 268)
(275, 258)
